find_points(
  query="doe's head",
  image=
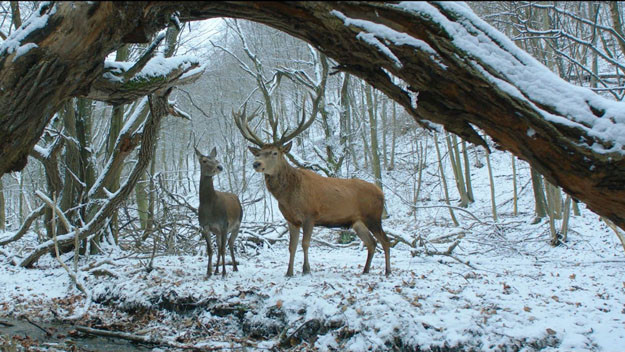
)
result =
(269, 157)
(209, 165)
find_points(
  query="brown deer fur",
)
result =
(307, 199)
(219, 213)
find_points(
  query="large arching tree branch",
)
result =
(467, 76)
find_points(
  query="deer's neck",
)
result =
(283, 182)
(207, 190)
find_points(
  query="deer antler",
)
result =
(303, 124)
(240, 119)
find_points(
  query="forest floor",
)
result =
(502, 288)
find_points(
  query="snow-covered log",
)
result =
(462, 73)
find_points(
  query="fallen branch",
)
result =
(46, 331)
(398, 238)
(145, 339)
(123, 335)
(11, 258)
(25, 226)
(447, 253)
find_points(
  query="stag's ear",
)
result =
(213, 153)
(254, 150)
(287, 147)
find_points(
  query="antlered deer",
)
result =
(219, 213)
(307, 199)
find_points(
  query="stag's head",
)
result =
(268, 158)
(209, 166)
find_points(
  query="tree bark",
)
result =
(456, 88)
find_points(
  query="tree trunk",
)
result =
(2, 207)
(467, 171)
(117, 121)
(493, 204)
(72, 188)
(539, 195)
(373, 129)
(458, 85)
(393, 137)
(515, 192)
(444, 181)
(456, 167)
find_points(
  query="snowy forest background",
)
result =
(487, 254)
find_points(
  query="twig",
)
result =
(454, 208)
(48, 333)
(55, 209)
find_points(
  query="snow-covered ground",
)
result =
(502, 288)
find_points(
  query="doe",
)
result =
(219, 213)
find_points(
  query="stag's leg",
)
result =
(380, 235)
(293, 239)
(363, 232)
(233, 237)
(209, 251)
(307, 229)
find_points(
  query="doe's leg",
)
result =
(218, 248)
(233, 237)
(209, 252)
(222, 252)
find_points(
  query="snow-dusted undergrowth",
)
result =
(505, 288)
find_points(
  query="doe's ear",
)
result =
(287, 147)
(254, 150)
(213, 153)
(197, 152)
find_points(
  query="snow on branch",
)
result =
(116, 87)
(375, 31)
(15, 42)
(514, 71)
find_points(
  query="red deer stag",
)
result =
(219, 213)
(307, 199)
